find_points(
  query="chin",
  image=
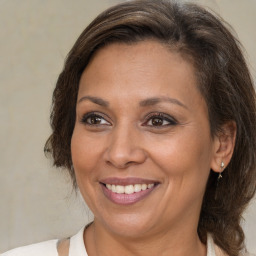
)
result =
(128, 225)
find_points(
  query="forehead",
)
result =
(140, 70)
(125, 75)
(144, 60)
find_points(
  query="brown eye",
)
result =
(156, 121)
(160, 120)
(94, 119)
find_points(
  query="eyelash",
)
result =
(160, 116)
(85, 118)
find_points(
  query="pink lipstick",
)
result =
(127, 191)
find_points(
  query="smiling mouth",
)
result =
(127, 194)
(129, 189)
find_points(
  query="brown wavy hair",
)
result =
(205, 40)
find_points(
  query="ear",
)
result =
(224, 144)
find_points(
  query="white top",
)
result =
(77, 248)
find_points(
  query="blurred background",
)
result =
(37, 201)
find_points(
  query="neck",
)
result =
(100, 242)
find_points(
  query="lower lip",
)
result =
(126, 199)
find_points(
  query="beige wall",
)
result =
(36, 200)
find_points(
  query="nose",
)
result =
(124, 148)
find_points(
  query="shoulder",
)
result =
(48, 248)
(75, 245)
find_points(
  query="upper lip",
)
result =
(127, 181)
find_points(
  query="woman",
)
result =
(154, 117)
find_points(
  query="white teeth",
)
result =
(144, 186)
(137, 187)
(129, 189)
(119, 189)
(113, 188)
(150, 185)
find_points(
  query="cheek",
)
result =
(85, 151)
(85, 160)
(185, 158)
(186, 165)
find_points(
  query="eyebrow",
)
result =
(147, 102)
(95, 100)
(156, 100)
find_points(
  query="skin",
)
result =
(126, 143)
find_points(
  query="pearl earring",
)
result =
(222, 168)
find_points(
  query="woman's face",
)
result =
(141, 146)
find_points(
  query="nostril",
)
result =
(120, 165)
